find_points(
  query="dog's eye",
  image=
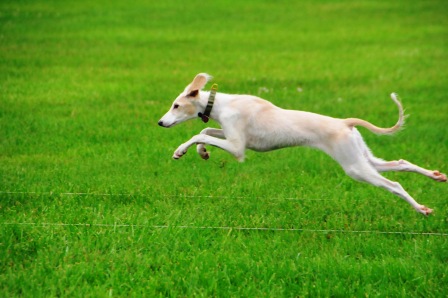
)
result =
(175, 106)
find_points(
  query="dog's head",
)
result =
(186, 105)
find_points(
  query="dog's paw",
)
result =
(439, 176)
(425, 210)
(179, 153)
(202, 152)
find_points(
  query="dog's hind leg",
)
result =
(396, 165)
(405, 166)
(350, 156)
(363, 171)
(373, 177)
(214, 132)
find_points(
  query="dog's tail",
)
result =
(379, 130)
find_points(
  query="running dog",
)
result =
(249, 122)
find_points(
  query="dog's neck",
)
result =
(206, 114)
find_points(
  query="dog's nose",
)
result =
(160, 122)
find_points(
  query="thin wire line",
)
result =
(229, 228)
(201, 227)
(148, 195)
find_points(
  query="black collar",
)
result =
(208, 109)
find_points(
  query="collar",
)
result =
(208, 109)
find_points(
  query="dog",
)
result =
(250, 122)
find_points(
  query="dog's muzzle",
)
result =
(164, 125)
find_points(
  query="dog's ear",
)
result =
(198, 83)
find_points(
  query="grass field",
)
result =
(92, 205)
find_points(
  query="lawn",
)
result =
(92, 205)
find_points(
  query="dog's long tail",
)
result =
(379, 130)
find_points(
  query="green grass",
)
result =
(83, 84)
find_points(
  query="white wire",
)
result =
(227, 228)
(200, 227)
(148, 195)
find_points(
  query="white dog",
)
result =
(249, 122)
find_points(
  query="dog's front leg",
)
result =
(234, 147)
(214, 132)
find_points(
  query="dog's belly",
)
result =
(263, 142)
